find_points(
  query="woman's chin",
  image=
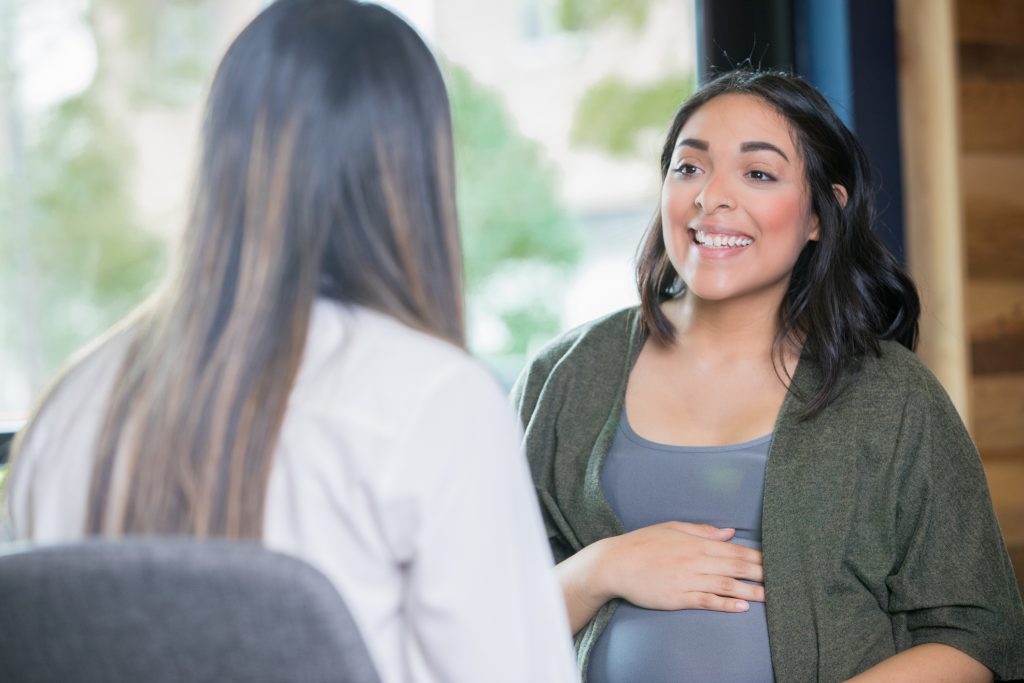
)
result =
(717, 292)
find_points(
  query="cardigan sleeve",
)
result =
(952, 582)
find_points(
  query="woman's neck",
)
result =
(724, 349)
(742, 328)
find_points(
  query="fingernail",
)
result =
(742, 605)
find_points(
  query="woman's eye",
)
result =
(687, 169)
(761, 176)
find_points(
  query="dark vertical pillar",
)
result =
(731, 32)
(876, 110)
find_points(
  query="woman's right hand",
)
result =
(668, 566)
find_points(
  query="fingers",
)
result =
(710, 555)
(720, 594)
(732, 551)
(726, 587)
(717, 603)
(732, 567)
(704, 530)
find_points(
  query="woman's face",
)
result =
(735, 204)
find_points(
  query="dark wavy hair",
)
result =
(847, 291)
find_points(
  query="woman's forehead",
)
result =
(734, 119)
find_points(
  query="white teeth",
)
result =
(721, 241)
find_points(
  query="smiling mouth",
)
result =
(713, 240)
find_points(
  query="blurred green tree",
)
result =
(87, 260)
(92, 259)
(580, 15)
(83, 257)
(511, 218)
(614, 113)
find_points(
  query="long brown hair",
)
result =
(326, 170)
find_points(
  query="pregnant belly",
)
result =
(653, 646)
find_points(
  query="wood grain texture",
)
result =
(1006, 483)
(990, 52)
(992, 116)
(990, 21)
(998, 412)
(994, 455)
(995, 323)
(1017, 559)
(979, 62)
(993, 176)
(994, 231)
(994, 301)
(998, 354)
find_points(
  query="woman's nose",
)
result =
(713, 196)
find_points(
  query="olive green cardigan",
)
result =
(878, 529)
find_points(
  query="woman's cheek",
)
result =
(674, 217)
(788, 218)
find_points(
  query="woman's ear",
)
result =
(840, 193)
(842, 197)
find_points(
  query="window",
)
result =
(559, 109)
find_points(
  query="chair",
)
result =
(162, 609)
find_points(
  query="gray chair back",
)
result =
(172, 609)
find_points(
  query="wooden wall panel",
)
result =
(1006, 481)
(986, 62)
(992, 302)
(990, 51)
(998, 411)
(995, 324)
(993, 175)
(990, 113)
(995, 236)
(996, 22)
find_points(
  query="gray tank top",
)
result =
(648, 483)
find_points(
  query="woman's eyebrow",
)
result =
(702, 145)
(757, 146)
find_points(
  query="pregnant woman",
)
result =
(764, 398)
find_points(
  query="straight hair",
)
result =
(326, 171)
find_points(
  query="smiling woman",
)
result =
(750, 476)
(736, 212)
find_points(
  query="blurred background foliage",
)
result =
(511, 218)
(581, 15)
(613, 113)
(171, 45)
(90, 261)
(75, 255)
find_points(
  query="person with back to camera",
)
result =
(764, 398)
(302, 379)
